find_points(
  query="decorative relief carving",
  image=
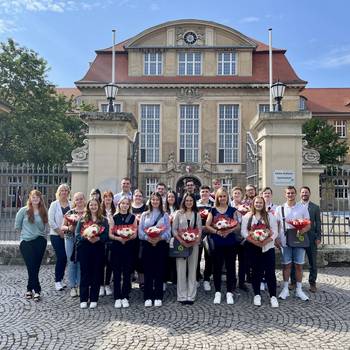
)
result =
(180, 36)
(188, 94)
(80, 154)
(310, 155)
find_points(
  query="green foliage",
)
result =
(322, 137)
(38, 129)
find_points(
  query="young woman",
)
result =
(138, 206)
(154, 249)
(187, 217)
(226, 242)
(108, 209)
(57, 210)
(122, 253)
(262, 254)
(91, 252)
(96, 193)
(68, 228)
(31, 222)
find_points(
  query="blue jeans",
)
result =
(61, 257)
(73, 267)
(290, 254)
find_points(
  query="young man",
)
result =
(216, 184)
(161, 189)
(125, 186)
(292, 210)
(250, 193)
(190, 188)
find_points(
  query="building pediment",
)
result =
(190, 34)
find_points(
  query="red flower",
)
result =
(222, 222)
(299, 224)
(72, 219)
(189, 234)
(204, 213)
(90, 229)
(154, 231)
(123, 231)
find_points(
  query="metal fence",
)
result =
(16, 181)
(251, 160)
(335, 208)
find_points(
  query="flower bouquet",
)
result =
(259, 232)
(72, 219)
(124, 231)
(90, 230)
(223, 223)
(243, 209)
(204, 213)
(189, 235)
(299, 224)
(154, 231)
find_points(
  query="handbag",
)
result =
(177, 250)
(294, 240)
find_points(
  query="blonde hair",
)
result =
(219, 192)
(122, 199)
(60, 188)
(76, 194)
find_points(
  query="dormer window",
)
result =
(153, 63)
(302, 103)
(227, 63)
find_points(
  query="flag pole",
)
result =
(270, 69)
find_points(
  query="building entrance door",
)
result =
(181, 185)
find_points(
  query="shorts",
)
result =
(296, 255)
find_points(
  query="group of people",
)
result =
(105, 241)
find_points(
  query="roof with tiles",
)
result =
(68, 92)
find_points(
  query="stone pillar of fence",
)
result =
(105, 157)
(281, 159)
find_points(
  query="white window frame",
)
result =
(195, 151)
(151, 185)
(222, 63)
(265, 107)
(227, 133)
(187, 62)
(148, 63)
(155, 149)
(103, 106)
(302, 103)
(341, 189)
(340, 127)
(227, 184)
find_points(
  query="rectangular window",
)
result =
(153, 63)
(150, 133)
(227, 63)
(189, 133)
(227, 184)
(265, 107)
(190, 63)
(228, 133)
(341, 188)
(151, 184)
(340, 128)
(104, 107)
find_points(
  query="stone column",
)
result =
(108, 160)
(279, 138)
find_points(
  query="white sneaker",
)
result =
(63, 285)
(148, 303)
(229, 298)
(102, 291)
(207, 286)
(262, 286)
(108, 290)
(164, 287)
(217, 298)
(118, 304)
(125, 302)
(257, 300)
(300, 294)
(58, 286)
(284, 294)
(93, 305)
(83, 305)
(158, 302)
(73, 292)
(274, 302)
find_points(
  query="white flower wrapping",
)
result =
(91, 231)
(260, 235)
(125, 232)
(222, 224)
(189, 236)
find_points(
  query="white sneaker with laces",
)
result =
(108, 290)
(284, 294)
(300, 294)
(83, 305)
(58, 286)
(229, 298)
(217, 298)
(125, 302)
(158, 302)
(148, 303)
(257, 300)
(118, 304)
(274, 302)
(206, 286)
(73, 292)
(102, 291)
(262, 286)
(93, 305)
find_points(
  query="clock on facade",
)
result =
(190, 38)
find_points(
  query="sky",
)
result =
(66, 33)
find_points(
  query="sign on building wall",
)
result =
(283, 177)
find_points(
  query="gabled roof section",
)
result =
(327, 100)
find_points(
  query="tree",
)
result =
(322, 137)
(39, 127)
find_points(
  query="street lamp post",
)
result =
(277, 90)
(111, 91)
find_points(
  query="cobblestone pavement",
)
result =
(57, 322)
